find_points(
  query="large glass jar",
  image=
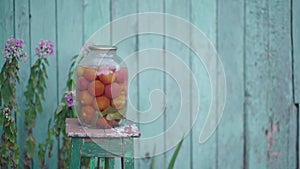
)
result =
(101, 88)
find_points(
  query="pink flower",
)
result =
(45, 48)
(69, 96)
(14, 48)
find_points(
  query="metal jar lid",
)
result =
(102, 47)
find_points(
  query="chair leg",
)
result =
(109, 163)
(128, 163)
(101, 162)
(92, 163)
(75, 153)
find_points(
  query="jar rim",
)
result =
(102, 47)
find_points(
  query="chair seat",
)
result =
(74, 129)
(103, 143)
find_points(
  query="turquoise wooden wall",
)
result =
(259, 45)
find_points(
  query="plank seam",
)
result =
(190, 79)
(245, 95)
(110, 19)
(14, 18)
(14, 33)
(137, 66)
(297, 135)
(29, 24)
(57, 68)
(292, 51)
(164, 81)
(293, 84)
(217, 89)
(30, 59)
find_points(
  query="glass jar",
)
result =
(101, 88)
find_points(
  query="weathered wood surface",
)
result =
(148, 43)
(75, 129)
(296, 48)
(177, 94)
(296, 56)
(204, 155)
(258, 42)
(270, 117)
(230, 45)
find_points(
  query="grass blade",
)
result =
(173, 159)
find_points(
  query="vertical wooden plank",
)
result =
(296, 58)
(128, 46)
(75, 153)
(69, 34)
(6, 24)
(173, 91)
(296, 48)
(256, 46)
(43, 26)
(6, 27)
(269, 97)
(96, 15)
(92, 162)
(22, 31)
(69, 42)
(280, 100)
(150, 80)
(204, 17)
(230, 48)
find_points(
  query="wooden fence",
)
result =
(259, 45)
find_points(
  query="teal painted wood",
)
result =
(296, 49)
(269, 105)
(296, 54)
(280, 101)
(111, 163)
(151, 80)
(128, 163)
(6, 23)
(127, 47)
(268, 88)
(75, 153)
(96, 14)
(230, 132)
(43, 26)
(69, 34)
(256, 45)
(174, 102)
(203, 155)
(6, 27)
(22, 31)
(69, 42)
(92, 163)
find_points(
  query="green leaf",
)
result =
(173, 159)
(113, 116)
(30, 145)
(6, 93)
(46, 61)
(109, 110)
(38, 104)
(75, 57)
(16, 156)
(41, 154)
(0, 99)
(59, 108)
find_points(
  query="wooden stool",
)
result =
(104, 143)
